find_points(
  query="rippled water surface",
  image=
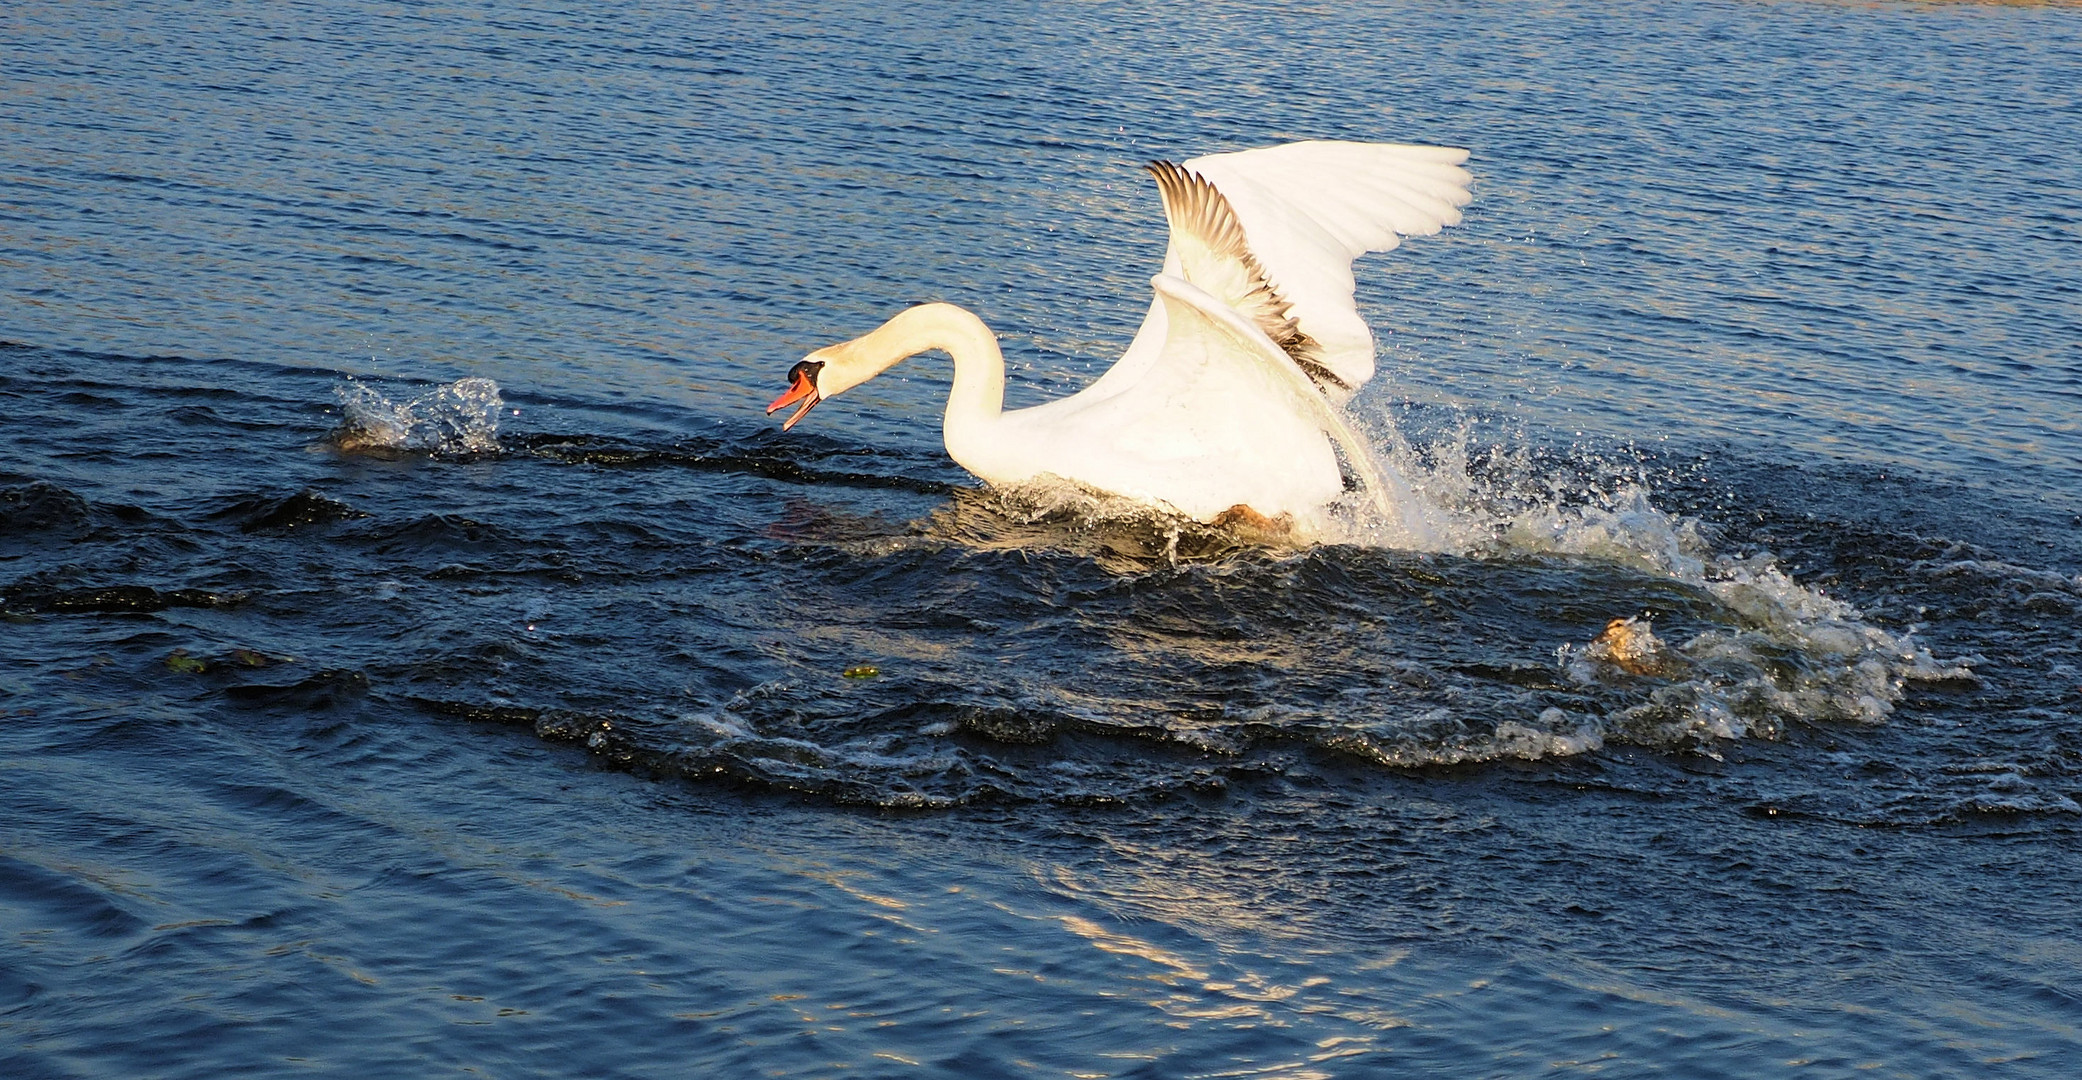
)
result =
(420, 656)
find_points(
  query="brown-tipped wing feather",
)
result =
(1216, 256)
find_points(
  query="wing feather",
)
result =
(1214, 254)
(1308, 209)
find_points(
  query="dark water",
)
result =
(420, 656)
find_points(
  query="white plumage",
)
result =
(1231, 393)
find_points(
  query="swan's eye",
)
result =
(805, 369)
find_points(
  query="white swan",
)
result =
(1227, 404)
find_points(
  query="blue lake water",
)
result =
(420, 656)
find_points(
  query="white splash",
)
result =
(461, 417)
(1787, 653)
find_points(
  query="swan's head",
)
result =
(802, 386)
(833, 370)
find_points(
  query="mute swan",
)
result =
(1227, 405)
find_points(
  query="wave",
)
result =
(1758, 656)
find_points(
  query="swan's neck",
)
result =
(978, 397)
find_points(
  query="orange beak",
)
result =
(801, 387)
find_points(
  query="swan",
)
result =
(1227, 407)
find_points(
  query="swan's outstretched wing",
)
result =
(1308, 209)
(1273, 233)
(1210, 250)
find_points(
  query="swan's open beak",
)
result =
(802, 386)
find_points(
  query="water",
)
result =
(421, 655)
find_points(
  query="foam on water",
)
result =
(461, 417)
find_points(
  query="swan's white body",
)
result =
(1206, 411)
